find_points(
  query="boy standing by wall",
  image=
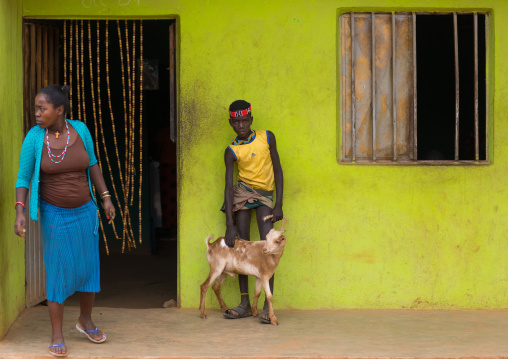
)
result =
(255, 153)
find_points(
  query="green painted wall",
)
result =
(358, 236)
(12, 248)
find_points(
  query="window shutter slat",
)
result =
(384, 87)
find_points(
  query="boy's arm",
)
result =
(231, 232)
(279, 178)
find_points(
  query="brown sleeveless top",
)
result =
(65, 184)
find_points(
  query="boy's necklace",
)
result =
(237, 142)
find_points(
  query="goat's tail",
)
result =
(208, 239)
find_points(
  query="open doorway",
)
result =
(123, 86)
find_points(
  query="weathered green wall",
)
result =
(358, 236)
(12, 248)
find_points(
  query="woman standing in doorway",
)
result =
(58, 157)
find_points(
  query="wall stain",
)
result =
(365, 257)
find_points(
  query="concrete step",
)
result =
(180, 333)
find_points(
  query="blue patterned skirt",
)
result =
(70, 243)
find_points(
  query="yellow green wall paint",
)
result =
(358, 236)
(12, 248)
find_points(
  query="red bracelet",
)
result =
(21, 203)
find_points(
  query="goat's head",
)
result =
(275, 240)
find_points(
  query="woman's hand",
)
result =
(20, 225)
(98, 182)
(109, 209)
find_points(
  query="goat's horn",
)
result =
(267, 217)
(283, 221)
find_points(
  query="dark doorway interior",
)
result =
(436, 86)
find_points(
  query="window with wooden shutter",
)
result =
(413, 88)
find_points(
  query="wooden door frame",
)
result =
(177, 113)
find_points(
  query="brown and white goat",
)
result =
(259, 259)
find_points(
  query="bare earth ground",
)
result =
(180, 333)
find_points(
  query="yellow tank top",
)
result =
(255, 166)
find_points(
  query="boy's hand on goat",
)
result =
(277, 214)
(230, 237)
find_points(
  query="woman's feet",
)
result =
(57, 348)
(88, 328)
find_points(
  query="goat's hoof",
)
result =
(255, 313)
(274, 321)
(203, 316)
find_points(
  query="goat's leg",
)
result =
(216, 288)
(257, 293)
(264, 227)
(214, 273)
(268, 295)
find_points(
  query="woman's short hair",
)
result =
(57, 96)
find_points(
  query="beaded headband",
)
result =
(240, 112)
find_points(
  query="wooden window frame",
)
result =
(341, 151)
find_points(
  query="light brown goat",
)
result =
(259, 259)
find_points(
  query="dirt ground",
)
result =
(343, 334)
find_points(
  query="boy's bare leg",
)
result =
(243, 227)
(264, 227)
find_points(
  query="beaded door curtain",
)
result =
(108, 97)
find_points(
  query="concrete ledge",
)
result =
(180, 333)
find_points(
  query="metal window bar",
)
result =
(353, 95)
(394, 107)
(373, 78)
(343, 90)
(476, 136)
(415, 138)
(456, 45)
(486, 27)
